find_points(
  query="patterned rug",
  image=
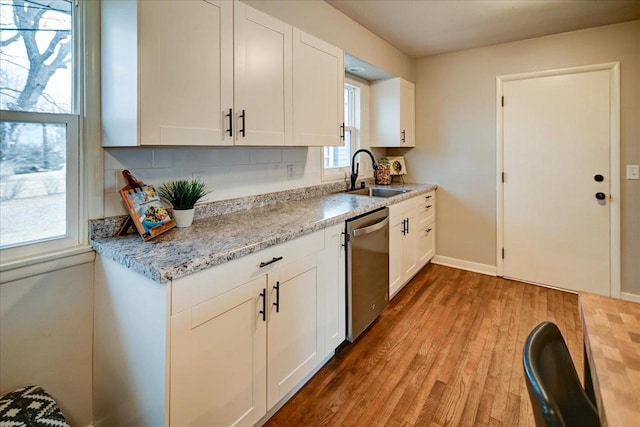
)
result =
(30, 406)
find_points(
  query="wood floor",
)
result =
(446, 352)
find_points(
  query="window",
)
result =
(337, 160)
(39, 121)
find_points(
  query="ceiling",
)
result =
(429, 27)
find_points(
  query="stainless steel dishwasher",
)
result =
(367, 240)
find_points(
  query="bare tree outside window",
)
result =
(36, 76)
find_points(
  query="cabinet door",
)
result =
(185, 72)
(425, 243)
(395, 258)
(392, 113)
(318, 91)
(407, 114)
(331, 280)
(294, 345)
(262, 78)
(409, 262)
(218, 360)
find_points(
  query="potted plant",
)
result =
(183, 194)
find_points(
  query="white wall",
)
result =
(456, 133)
(46, 325)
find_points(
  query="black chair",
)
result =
(557, 397)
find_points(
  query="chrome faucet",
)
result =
(355, 168)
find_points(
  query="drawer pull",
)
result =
(429, 206)
(263, 294)
(277, 303)
(427, 197)
(428, 230)
(274, 259)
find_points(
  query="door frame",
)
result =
(614, 162)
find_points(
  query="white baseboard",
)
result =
(489, 270)
(630, 297)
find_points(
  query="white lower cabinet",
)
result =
(411, 238)
(218, 360)
(238, 337)
(294, 344)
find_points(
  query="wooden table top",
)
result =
(611, 330)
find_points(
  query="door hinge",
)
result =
(502, 100)
(502, 253)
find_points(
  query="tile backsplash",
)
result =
(230, 171)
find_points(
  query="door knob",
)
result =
(601, 196)
(598, 178)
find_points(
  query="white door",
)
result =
(293, 342)
(407, 114)
(318, 91)
(556, 141)
(186, 72)
(218, 360)
(262, 78)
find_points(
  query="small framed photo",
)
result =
(397, 165)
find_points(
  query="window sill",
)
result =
(45, 263)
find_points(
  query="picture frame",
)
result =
(398, 166)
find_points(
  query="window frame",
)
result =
(75, 239)
(359, 134)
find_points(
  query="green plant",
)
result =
(383, 161)
(183, 193)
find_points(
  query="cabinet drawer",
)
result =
(427, 211)
(188, 291)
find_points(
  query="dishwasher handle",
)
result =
(370, 229)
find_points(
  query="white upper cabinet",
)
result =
(168, 79)
(392, 113)
(262, 58)
(207, 73)
(318, 91)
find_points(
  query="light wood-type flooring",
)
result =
(446, 352)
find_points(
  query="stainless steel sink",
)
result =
(378, 192)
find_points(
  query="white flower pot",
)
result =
(183, 217)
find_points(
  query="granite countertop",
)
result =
(214, 240)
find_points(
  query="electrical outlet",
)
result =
(633, 171)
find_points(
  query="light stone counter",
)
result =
(213, 240)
